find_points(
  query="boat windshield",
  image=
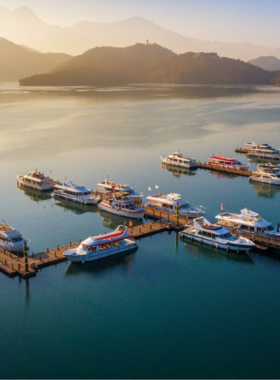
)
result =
(269, 228)
(184, 207)
(83, 247)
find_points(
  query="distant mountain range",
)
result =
(149, 64)
(23, 27)
(266, 63)
(17, 61)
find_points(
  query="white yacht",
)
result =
(268, 168)
(11, 239)
(71, 192)
(171, 202)
(109, 185)
(216, 236)
(177, 159)
(121, 203)
(271, 178)
(36, 180)
(262, 151)
(247, 221)
(101, 246)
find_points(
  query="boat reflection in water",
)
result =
(265, 190)
(76, 208)
(123, 262)
(223, 175)
(35, 195)
(112, 221)
(177, 171)
(197, 250)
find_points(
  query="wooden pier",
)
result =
(244, 173)
(241, 150)
(13, 265)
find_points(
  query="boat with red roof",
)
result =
(227, 162)
(121, 203)
(101, 246)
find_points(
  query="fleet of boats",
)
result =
(121, 200)
(216, 236)
(174, 203)
(101, 246)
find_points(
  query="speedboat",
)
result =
(268, 168)
(262, 151)
(36, 180)
(121, 203)
(71, 192)
(271, 178)
(177, 159)
(247, 221)
(101, 246)
(110, 185)
(216, 236)
(173, 202)
(11, 239)
(226, 162)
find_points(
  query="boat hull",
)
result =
(130, 214)
(81, 200)
(214, 244)
(269, 181)
(128, 246)
(225, 166)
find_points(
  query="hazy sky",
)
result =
(255, 21)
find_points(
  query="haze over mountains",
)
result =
(108, 66)
(23, 27)
(17, 61)
(266, 63)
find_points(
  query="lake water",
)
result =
(168, 310)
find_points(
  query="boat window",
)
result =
(123, 206)
(269, 228)
(83, 247)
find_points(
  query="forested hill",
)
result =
(104, 66)
(108, 66)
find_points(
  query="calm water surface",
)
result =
(169, 310)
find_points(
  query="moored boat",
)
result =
(71, 192)
(262, 151)
(177, 159)
(227, 162)
(271, 178)
(110, 185)
(121, 203)
(11, 239)
(247, 221)
(216, 236)
(172, 203)
(36, 180)
(101, 246)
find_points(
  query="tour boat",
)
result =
(226, 162)
(266, 177)
(262, 151)
(177, 159)
(71, 192)
(216, 236)
(110, 185)
(173, 202)
(121, 203)
(36, 180)
(101, 246)
(247, 221)
(11, 239)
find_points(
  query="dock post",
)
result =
(25, 256)
(177, 215)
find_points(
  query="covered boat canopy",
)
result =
(120, 233)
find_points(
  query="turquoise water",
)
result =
(169, 310)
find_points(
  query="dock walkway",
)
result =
(244, 173)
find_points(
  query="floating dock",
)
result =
(244, 173)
